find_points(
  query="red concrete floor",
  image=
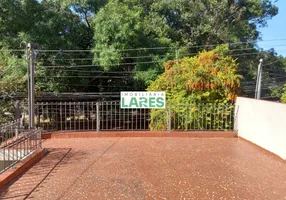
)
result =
(151, 168)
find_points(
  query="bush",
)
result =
(283, 98)
(199, 90)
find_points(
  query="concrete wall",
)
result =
(263, 123)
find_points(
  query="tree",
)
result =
(273, 73)
(122, 26)
(125, 36)
(54, 25)
(12, 80)
(12, 72)
(180, 25)
(17, 17)
(209, 77)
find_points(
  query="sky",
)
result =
(275, 31)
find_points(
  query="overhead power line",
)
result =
(129, 63)
(150, 48)
(160, 48)
(82, 77)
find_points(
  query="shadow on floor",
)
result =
(30, 180)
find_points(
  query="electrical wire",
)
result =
(117, 77)
(146, 56)
(152, 48)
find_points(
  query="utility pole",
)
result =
(258, 80)
(31, 84)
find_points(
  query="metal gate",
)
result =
(108, 116)
(93, 116)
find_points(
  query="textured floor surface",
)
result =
(151, 168)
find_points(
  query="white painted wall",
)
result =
(263, 123)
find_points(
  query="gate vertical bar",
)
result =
(169, 118)
(65, 115)
(31, 86)
(115, 117)
(97, 117)
(70, 116)
(17, 116)
(84, 113)
(92, 119)
(61, 116)
(74, 118)
(88, 114)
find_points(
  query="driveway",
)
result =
(151, 168)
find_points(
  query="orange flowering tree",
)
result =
(208, 78)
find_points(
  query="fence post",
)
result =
(40, 138)
(17, 116)
(169, 117)
(97, 117)
(235, 117)
(61, 116)
(38, 108)
(258, 81)
(31, 84)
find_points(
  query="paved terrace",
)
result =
(151, 168)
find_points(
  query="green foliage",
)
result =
(273, 76)
(194, 116)
(57, 27)
(7, 111)
(15, 19)
(209, 78)
(283, 98)
(133, 24)
(13, 72)
(54, 25)
(13, 79)
(123, 25)
(114, 28)
(129, 24)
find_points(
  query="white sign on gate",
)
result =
(142, 99)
